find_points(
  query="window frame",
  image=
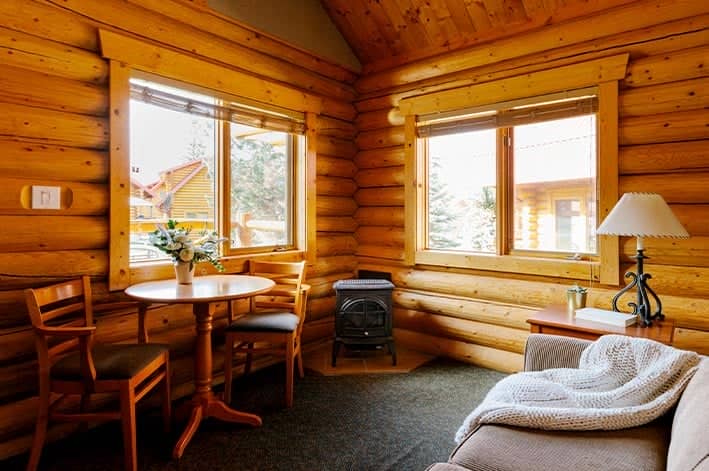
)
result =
(128, 56)
(603, 74)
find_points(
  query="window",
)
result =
(211, 163)
(547, 163)
(514, 174)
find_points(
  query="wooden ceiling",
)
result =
(386, 32)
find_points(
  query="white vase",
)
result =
(184, 271)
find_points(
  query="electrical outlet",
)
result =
(46, 197)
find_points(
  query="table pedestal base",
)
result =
(200, 408)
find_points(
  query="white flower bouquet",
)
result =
(177, 243)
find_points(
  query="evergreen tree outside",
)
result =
(442, 216)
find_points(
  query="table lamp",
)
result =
(641, 215)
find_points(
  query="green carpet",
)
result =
(362, 422)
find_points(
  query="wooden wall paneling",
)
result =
(670, 67)
(51, 162)
(231, 29)
(380, 251)
(321, 308)
(335, 244)
(335, 167)
(308, 173)
(691, 339)
(379, 177)
(388, 236)
(668, 157)
(380, 216)
(606, 23)
(378, 119)
(504, 315)
(53, 127)
(46, 21)
(336, 186)
(337, 128)
(653, 40)
(665, 98)
(46, 233)
(687, 188)
(77, 199)
(346, 224)
(45, 56)
(665, 127)
(694, 217)
(124, 16)
(680, 252)
(24, 87)
(381, 138)
(479, 333)
(386, 196)
(336, 206)
(486, 357)
(382, 157)
(345, 149)
(329, 265)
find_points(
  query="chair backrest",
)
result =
(65, 305)
(287, 294)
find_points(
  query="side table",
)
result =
(558, 321)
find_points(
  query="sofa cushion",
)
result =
(690, 447)
(506, 448)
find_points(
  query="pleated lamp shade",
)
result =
(642, 215)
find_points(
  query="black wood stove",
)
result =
(363, 315)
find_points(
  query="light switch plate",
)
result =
(46, 197)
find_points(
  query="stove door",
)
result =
(363, 317)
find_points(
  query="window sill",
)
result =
(553, 267)
(149, 271)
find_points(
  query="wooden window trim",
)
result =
(603, 73)
(128, 55)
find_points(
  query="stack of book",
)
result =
(606, 317)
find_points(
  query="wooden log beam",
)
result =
(665, 127)
(45, 56)
(387, 236)
(50, 162)
(686, 188)
(495, 336)
(335, 186)
(346, 224)
(504, 315)
(382, 157)
(24, 87)
(380, 216)
(380, 251)
(662, 158)
(389, 196)
(42, 233)
(607, 23)
(333, 245)
(133, 19)
(53, 127)
(381, 177)
(208, 19)
(327, 265)
(344, 149)
(669, 97)
(335, 167)
(684, 64)
(336, 128)
(379, 119)
(379, 138)
(693, 252)
(480, 355)
(335, 206)
(694, 217)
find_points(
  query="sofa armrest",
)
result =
(543, 351)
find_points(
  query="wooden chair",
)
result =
(275, 319)
(71, 365)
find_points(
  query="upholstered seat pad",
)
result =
(267, 322)
(506, 448)
(111, 361)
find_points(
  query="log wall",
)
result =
(479, 316)
(54, 130)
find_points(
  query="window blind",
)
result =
(500, 115)
(271, 119)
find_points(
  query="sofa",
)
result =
(678, 441)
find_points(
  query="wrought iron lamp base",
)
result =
(642, 306)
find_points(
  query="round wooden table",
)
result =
(203, 291)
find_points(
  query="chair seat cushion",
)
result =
(505, 448)
(268, 322)
(121, 361)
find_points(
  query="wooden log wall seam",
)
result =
(664, 136)
(54, 131)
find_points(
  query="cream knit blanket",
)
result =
(621, 382)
